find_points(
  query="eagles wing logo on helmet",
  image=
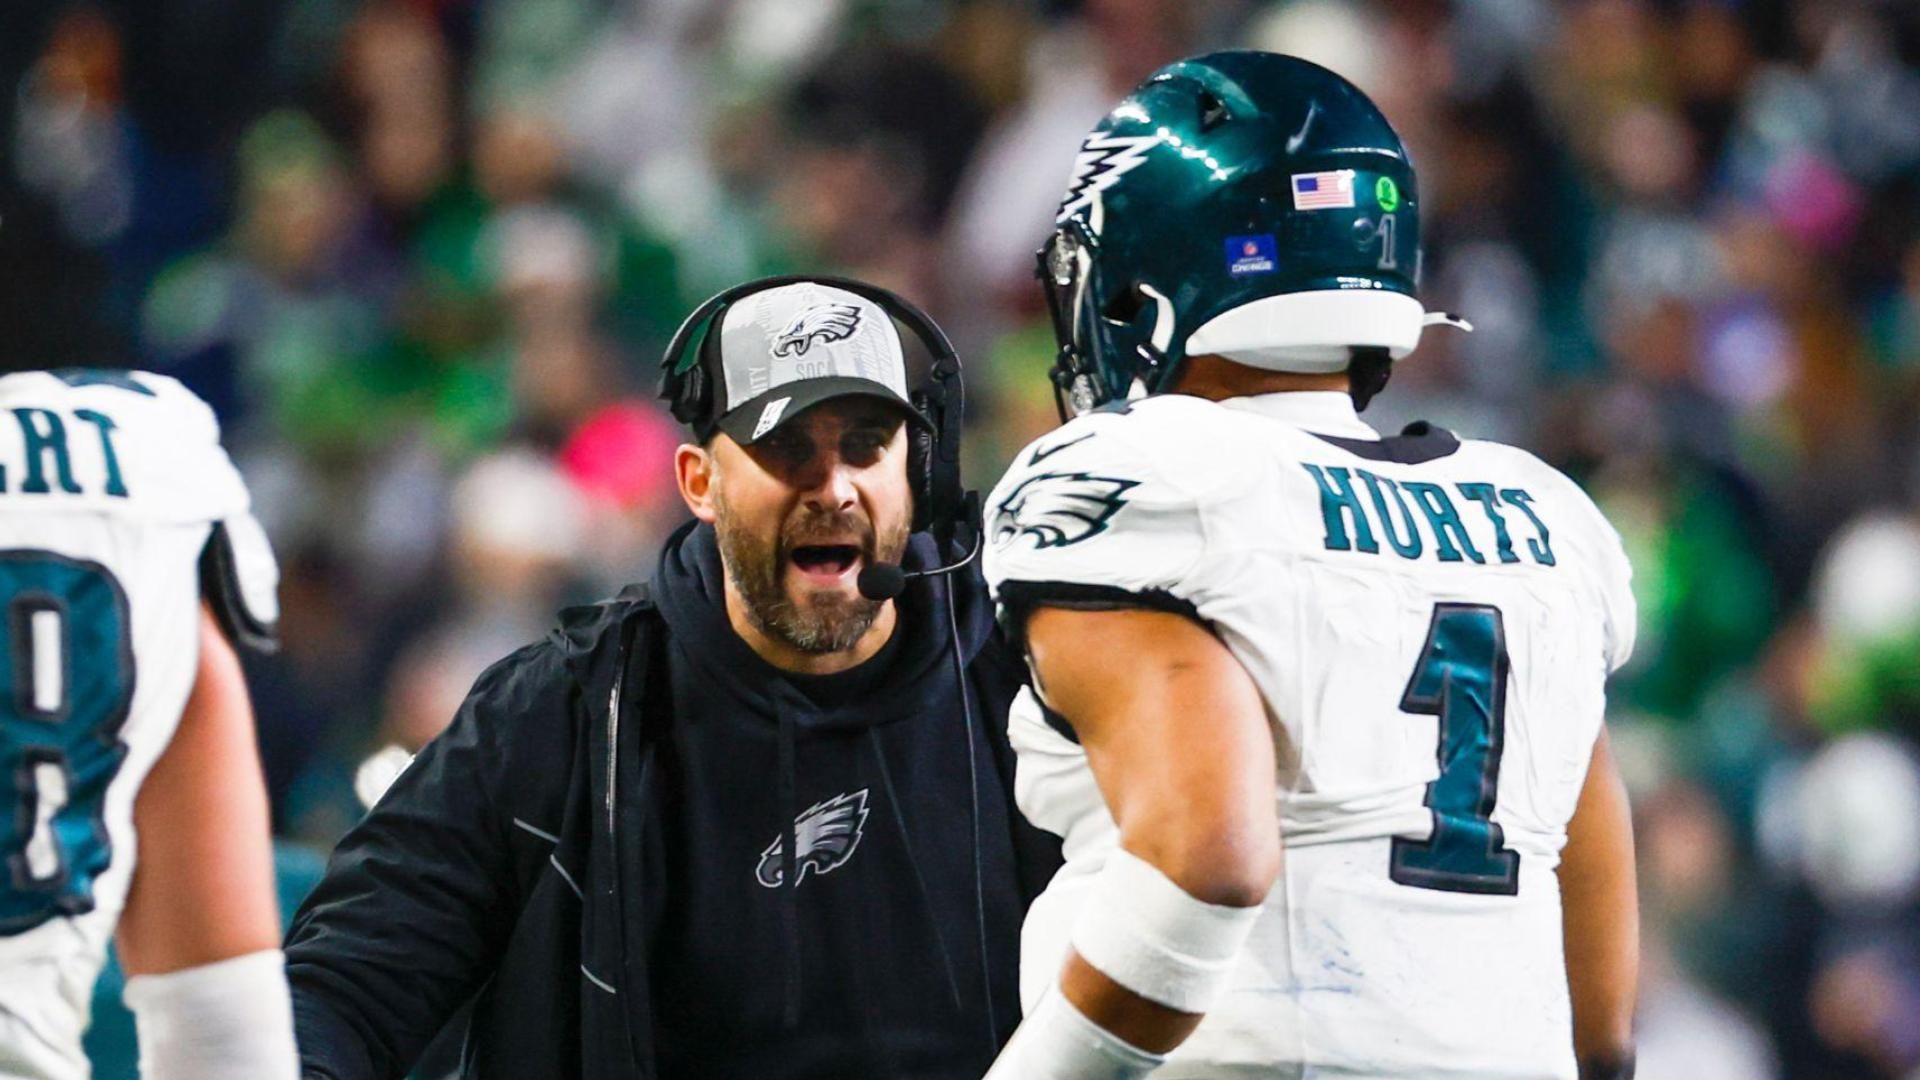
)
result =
(822, 323)
(1102, 161)
(826, 834)
(1060, 508)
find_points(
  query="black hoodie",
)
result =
(602, 846)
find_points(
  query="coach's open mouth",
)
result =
(825, 564)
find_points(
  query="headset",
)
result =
(687, 384)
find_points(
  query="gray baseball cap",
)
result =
(783, 350)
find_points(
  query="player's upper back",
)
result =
(1360, 581)
(1163, 496)
(120, 443)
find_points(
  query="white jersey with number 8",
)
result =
(113, 487)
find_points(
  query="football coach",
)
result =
(752, 818)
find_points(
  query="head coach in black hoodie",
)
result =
(751, 819)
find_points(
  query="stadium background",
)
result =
(422, 254)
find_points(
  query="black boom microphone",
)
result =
(884, 581)
(881, 581)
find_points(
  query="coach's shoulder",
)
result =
(526, 683)
(583, 630)
(534, 686)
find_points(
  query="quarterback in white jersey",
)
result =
(1255, 625)
(128, 562)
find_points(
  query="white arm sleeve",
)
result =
(1058, 1042)
(228, 1020)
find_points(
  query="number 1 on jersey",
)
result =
(1461, 678)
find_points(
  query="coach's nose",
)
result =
(831, 488)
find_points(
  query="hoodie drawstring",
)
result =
(919, 879)
(789, 864)
(973, 799)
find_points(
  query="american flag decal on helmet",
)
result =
(1323, 190)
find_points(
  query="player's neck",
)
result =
(1217, 379)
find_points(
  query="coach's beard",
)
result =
(824, 621)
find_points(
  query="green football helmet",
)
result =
(1244, 204)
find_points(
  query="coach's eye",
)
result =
(786, 448)
(863, 448)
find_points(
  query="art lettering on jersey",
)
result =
(48, 465)
(1359, 508)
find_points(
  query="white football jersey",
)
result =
(1430, 623)
(112, 487)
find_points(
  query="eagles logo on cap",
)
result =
(786, 349)
(822, 323)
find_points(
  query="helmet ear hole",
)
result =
(1213, 111)
(1123, 307)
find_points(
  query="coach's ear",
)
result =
(695, 469)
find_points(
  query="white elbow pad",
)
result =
(228, 1020)
(1144, 932)
(1058, 1042)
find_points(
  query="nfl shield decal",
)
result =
(1250, 255)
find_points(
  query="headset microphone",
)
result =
(881, 581)
(884, 581)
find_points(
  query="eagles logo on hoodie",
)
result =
(826, 834)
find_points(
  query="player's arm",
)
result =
(1601, 921)
(1179, 744)
(199, 937)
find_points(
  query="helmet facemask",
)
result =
(1065, 269)
(1099, 358)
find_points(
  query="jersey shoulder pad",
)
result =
(1177, 446)
(183, 460)
(1111, 502)
(145, 397)
(1586, 530)
(239, 575)
(164, 440)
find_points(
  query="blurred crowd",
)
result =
(422, 256)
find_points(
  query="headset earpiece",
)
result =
(689, 392)
(940, 402)
(688, 396)
(920, 461)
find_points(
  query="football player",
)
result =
(1256, 624)
(130, 566)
